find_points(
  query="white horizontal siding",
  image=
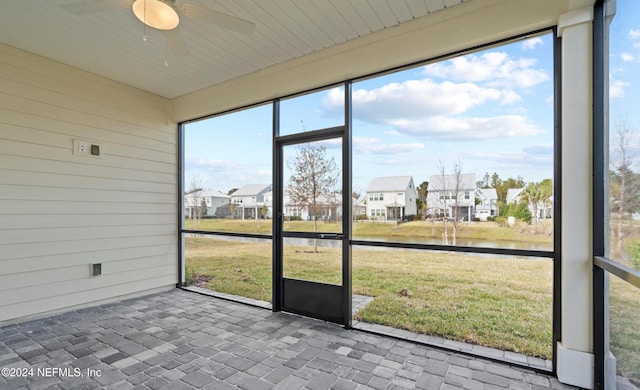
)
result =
(60, 211)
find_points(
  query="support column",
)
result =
(575, 359)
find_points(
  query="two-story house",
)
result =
(205, 203)
(391, 198)
(486, 203)
(452, 196)
(248, 201)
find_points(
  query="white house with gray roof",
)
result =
(204, 203)
(487, 203)
(452, 195)
(391, 198)
(247, 201)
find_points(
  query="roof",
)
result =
(513, 193)
(390, 183)
(489, 193)
(214, 194)
(251, 190)
(448, 182)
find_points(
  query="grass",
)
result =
(486, 231)
(503, 303)
(625, 328)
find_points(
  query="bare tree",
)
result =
(457, 189)
(194, 199)
(451, 188)
(444, 196)
(623, 181)
(313, 179)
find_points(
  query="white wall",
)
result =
(60, 211)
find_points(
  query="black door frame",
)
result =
(313, 292)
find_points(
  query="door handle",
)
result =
(332, 236)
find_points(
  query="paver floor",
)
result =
(182, 340)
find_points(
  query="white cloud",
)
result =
(510, 97)
(627, 57)
(493, 69)
(464, 129)
(530, 44)
(634, 34)
(376, 146)
(538, 156)
(616, 89)
(549, 100)
(414, 99)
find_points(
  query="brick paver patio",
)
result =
(182, 340)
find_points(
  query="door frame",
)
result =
(343, 294)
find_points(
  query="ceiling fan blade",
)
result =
(218, 18)
(175, 42)
(89, 7)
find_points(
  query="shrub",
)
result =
(189, 275)
(519, 211)
(501, 221)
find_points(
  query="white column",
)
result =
(575, 351)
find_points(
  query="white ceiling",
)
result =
(110, 43)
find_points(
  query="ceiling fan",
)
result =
(164, 15)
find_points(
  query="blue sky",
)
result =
(624, 67)
(491, 111)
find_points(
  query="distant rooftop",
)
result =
(390, 183)
(252, 189)
(448, 182)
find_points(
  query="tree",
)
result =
(457, 185)
(203, 208)
(486, 181)
(423, 192)
(534, 194)
(194, 199)
(624, 184)
(502, 186)
(314, 177)
(450, 190)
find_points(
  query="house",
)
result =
(391, 198)
(544, 207)
(514, 195)
(212, 201)
(247, 201)
(452, 196)
(486, 203)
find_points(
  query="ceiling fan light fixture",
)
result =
(156, 14)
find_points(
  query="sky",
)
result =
(489, 111)
(624, 73)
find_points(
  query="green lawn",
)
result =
(625, 328)
(504, 303)
(487, 231)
